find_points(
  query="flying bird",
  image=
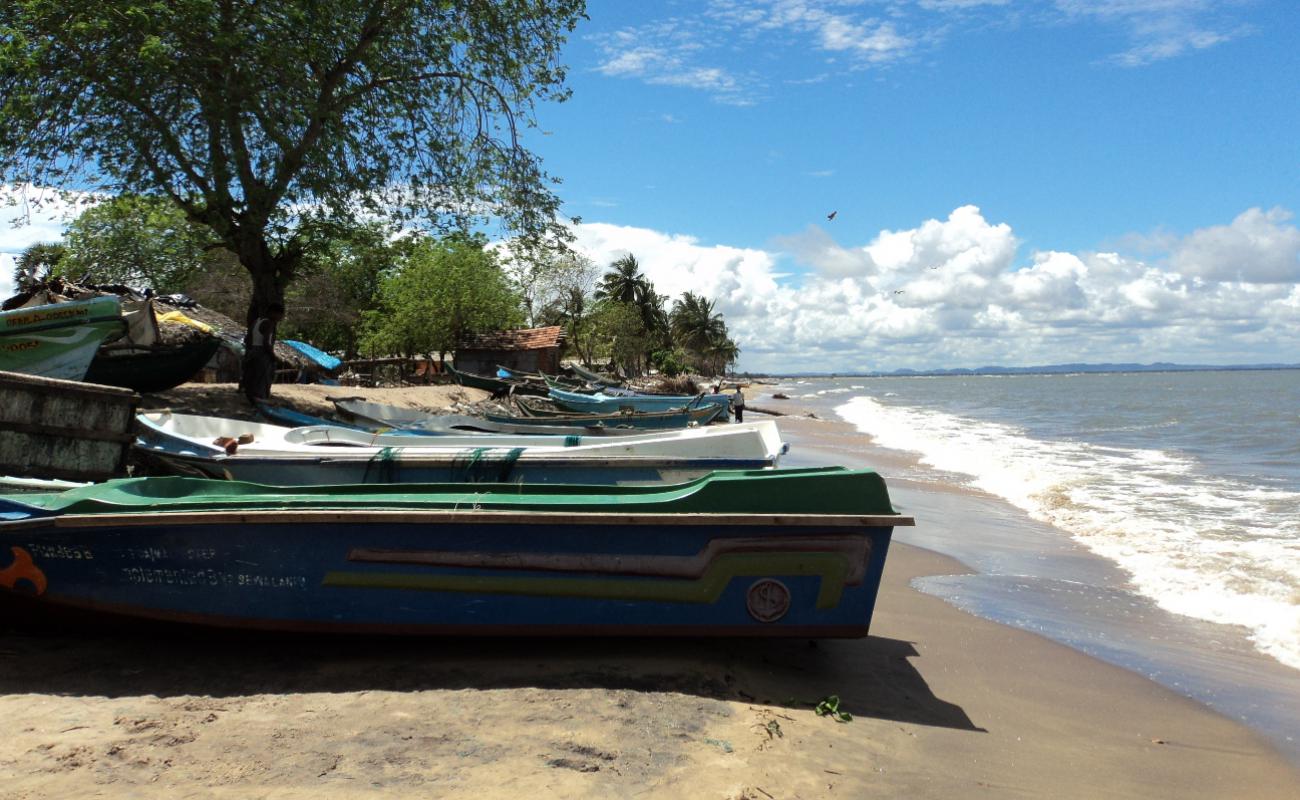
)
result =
(832, 215)
(899, 291)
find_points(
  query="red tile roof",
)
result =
(528, 339)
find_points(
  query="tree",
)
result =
(698, 328)
(694, 322)
(548, 277)
(624, 282)
(251, 117)
(339, 281)
(620, 336)
(443, 290)
(136, 240)
(37, 263)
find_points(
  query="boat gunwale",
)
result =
(292, 516)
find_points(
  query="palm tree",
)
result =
(695, 323)
(722, 353)
(37, 263)
(624, 282)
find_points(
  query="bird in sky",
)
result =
(899, 291)
(832, 215)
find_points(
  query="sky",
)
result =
(1014, 182)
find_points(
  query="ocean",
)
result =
(1149, 519)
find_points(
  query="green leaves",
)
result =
(136, 240)
(443, 290)
(830, 707)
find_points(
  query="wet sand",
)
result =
(944, 704)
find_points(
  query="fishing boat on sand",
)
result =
(773, 553)
(213, 447)
(58, 340)
(496, 386)
(605, 404)
(151, 368)
(377, 416)
(535, 412)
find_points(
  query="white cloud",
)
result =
(1256, 247)
(949, 292)
(7, 285)
(1159, 29)
(694, 51)
(29, 215)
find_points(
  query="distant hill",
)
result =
(1047, 369)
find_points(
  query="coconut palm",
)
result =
(722, 353)
(695, 323)
(37, 263)
(624, 282)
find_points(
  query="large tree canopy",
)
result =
(136, 240)
(251, 114)
(441, 291)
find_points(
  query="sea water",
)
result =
(1154, 508)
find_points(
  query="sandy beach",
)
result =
(944, 705)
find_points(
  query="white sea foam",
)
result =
(1197, 544)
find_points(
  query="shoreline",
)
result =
(1032, 576)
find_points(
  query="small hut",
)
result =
(529, 350)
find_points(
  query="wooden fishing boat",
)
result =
(494, 385)
(380, 417)
(775, 553)
(152, 368)
(605, 404)
(58, 340)
(280, 415)
(594, 377)
(506, 373)
(536, 414)
(66, 430)
(187, 444)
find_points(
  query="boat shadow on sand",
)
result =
(873, 677)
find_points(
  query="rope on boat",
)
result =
(385, 465)
(485, 465)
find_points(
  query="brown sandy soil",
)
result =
(945, 705)
(224, 399)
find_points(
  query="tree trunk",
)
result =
(270, 273)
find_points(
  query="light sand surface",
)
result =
(225, 400)
(945, 705)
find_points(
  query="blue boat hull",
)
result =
(605, 404)
(364, 572)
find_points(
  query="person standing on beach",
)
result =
(259, 355)
(738, 405)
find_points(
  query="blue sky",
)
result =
(1015, 181)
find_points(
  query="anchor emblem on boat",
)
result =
(767, 600)
(22, 569)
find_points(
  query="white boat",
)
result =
(322, 454)
(59, 340)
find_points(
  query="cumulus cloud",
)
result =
(955, 292)
(29, 215)
(1256, 247)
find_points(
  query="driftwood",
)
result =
(769, 412)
